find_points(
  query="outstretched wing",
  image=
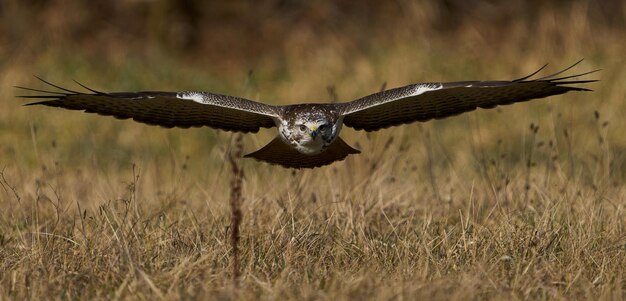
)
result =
(422, 102)
(167, 109)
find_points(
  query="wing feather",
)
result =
(167, 109)
(426, 101)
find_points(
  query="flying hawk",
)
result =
(308, 134)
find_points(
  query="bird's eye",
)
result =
(303, 127)
(322, 127)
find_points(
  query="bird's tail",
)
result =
(277, 152)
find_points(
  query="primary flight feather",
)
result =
(308, 134)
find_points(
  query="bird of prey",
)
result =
(308, 133)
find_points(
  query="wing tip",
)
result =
(553, 78)
(530, 75)
(56, 86)
(35, 103)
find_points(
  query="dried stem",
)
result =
(529, 163)
(6, 186)
(235, 205)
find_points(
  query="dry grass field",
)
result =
(519, 202)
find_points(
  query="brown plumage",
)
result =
(278, 152)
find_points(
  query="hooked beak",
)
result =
(314, 131)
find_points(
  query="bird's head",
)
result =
(314, 130)
(311, 133)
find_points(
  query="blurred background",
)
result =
(299, 51)
(226, 37)
(276, 37)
